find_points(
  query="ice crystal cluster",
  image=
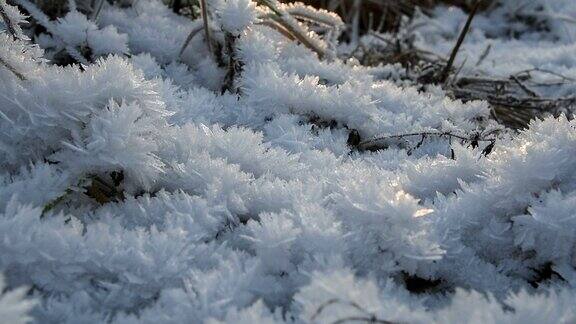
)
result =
(134, 190)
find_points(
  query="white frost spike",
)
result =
(12, 18)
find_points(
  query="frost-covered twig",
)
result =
(278, 27)
(474, 139)
(282, 19)
(300, 10)
(37, 14)
(431, 133)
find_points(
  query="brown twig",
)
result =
(372, 144)
(277, 27)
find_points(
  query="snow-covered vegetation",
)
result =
(247, 168)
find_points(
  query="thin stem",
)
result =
(193, 33)
(439, 134)
(12, 69)
(277, 27)
(203, 6)
(288, 22)
(463, 33)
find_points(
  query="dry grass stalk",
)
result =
(513, 102)
(446, 72)
(289, 23)
(191, 35)
(278, 27)
(204, 8)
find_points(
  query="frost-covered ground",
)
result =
(134, 191)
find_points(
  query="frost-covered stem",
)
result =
(12, 69)
(319, 16)
(278, 27)
(204, 9)
(77, 55)
(439, 134)
(292, 26)
(37, 14)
